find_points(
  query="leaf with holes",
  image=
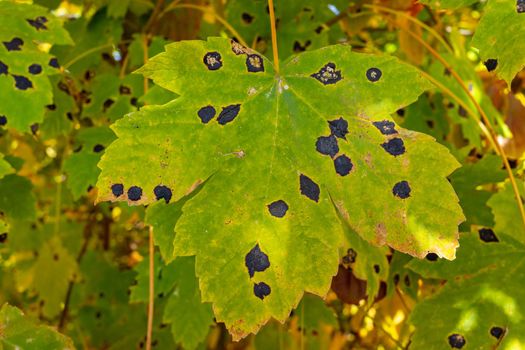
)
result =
(24, 68)
(281, 155)
(482, 304)
(19, 332)
(499, 36)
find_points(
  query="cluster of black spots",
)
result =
(432, 257)
(350, 256)
(38, 23)
(456, 341)
(228, 114)
(343, 165)
(373, 74)
(339, 127)
(162, 192)
(309, 188)
(3, 120)
(134, 193)
(14, 45)
(376, 268)
(117, 190)
(3, 237)
(261, 290)
(394, 146)
(206, 114)
(35, 69)
(22, 83)
(491, 64)
(401, 190)
(497, 332)
(3, 68)
(98, 148)
(297, 47)
(212, 60)
(487, 235)
(328, 74)
(254, 63)
(124, 90)
(256, 261)
(520, 6)
(278, 208)
(247, 18)
(386, 127)
(327, 145)
(54, 63)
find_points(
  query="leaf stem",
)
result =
(151, 302)
(274, 37)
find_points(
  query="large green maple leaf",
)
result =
(280, 154)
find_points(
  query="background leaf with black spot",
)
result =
(271, 125)
(505, 211)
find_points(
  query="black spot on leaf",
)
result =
(520, 6)
(327, 145)
(14, 45)
(350, 256)
(401, 190)
(309, 188)
(117, 189)
(237, 48)
(256, 261)
(228, 114)
(319, 29)
(98, 148)
(328, 74)
(254, 63)
(497, 332)
(261, 290)
(386, 127)
(3, 120)
(339, 127)
(134, 193)
(456, 341)
(3, 237)
(34, 128)
(51, 107)
(22, 83)
(247, 18)
(343, 165)
(297, 47)
(376, 268)
(394, 146)
(373, 74)
(124, 90)
(487, 235)
(400, 112)
(462, 111)
(38, 23)
(162, 192)
(432, 257)
(212, 60)
(108, 103)
(491, 64)
(396, 279)
(35, 69)
(54, 63)
(206, 114)
(278, 208)
(3, 68)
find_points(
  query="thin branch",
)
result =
(151, 302)
(274, 37)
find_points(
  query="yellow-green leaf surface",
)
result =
(506, 212)
(19, 332)
(281, 154)
(24, 67)
(482, 304)
(499, 36)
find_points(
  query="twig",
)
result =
(274, 37)
(151, 302)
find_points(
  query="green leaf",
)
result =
(313, 314)
(24, 68)
(5, 167)
(190, 318)
(499, 36)
(484, 293)
(165, 279)
(163, 218)
(266, 154)
(18, 332)
(16, 198)
(506, 212)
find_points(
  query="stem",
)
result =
(492, 134)
(151, 290)
(145, 49)
(274, 37)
